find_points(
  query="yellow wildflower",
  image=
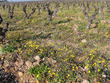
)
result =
(89, 71)
(53, 73)
(41, 51)
(19, 50)
(49, 71)
(90, 54)
(59, 55)
(37, 75)
(76, 68)
(92, 51)
(68, 76)
(94, 64)
(73, 68)
(36, 46)
(98, 70)
(105, 65)
(72, 56)
(87, 66)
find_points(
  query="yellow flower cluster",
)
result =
(92, 51)
(87, 66)
(31, 44)
(20, 51)
(40, 51)
(37, 75)
(68, 75)
(51, 74)
(101, 60)
(74, 68)
(72, 56)
(98, 70)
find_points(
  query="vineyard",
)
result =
(55, 41)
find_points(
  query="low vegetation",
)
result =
(56, 42)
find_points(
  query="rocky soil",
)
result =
(13, 69)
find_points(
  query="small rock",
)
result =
(104, 76)
(84, 41)
(20, 74)
(28, 64)
(6, 64)
(37, 58)
(19, 63)
(85, 81)
(35, 63)
(16, 63)
(54, 61)
(95, 80)
(51, 61)
(93, 25)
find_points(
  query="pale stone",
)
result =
(37, 58)
(28, 64)
(19, 63)
(20, 74)
(84, 41)
(104, 76)
(35, 63)
(93, 25)
(85, 81)
(51, 61)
